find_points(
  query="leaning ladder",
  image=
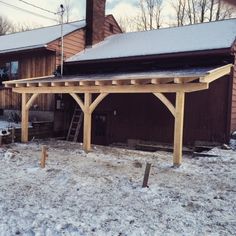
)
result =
(75, 125)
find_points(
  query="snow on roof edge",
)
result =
(23, 48)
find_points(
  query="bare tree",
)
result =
(150, 14)
(198, 11)
(68, 9)
(5, 26)
(127, 24)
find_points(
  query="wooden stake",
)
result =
(146, 175)
(13, 135)
(44, 156)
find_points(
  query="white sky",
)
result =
(119, 8)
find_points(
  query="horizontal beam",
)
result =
(216, 74)
(164, 88)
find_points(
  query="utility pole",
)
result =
(62, 38)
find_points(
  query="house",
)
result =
(170, 85)
(209, 115)
(37, 53)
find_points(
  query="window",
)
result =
(111, 27)
(9, 71)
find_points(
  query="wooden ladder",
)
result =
(75, 125)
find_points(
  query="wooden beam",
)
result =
(28, 79)
(166, 102)
(71, 83)
(184, 80)
(103, 82)
(178, 132)
(87, 122)
(44, 84)
(216, 74)
(97, 101)
(121, 82)
(140, 81)
(31, 100)
(20, 85)
(86, 83)
(148, 88)
(24, 119)
(78, 100)
(162, 80)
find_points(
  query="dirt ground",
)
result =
(100, 193)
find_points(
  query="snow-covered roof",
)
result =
(205, 36)
(36, 38)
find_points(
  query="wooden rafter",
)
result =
(166, 102)
(216, 74)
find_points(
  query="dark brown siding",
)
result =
(73, 43)
(111, 26)
(32, 64)
(143, 116)
(233, 108)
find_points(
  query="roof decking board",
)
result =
(153, 77)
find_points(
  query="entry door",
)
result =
(100, 122)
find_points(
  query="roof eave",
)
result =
(221, 51)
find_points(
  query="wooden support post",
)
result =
(146, 175)
(44, 156)
(24, 119)
(179, 125)
(87, 122)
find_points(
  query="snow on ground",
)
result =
(100, 193)
(6, 124)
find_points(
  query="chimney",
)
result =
(95, 21)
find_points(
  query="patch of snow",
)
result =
(205, 36)
(100, 193)
(4, 125)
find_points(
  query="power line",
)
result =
(43, 9)
(27, 11)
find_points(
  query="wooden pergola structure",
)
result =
(179, 82)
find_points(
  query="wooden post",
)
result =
(146, 175)
(44, 156)
(24, 119)
(179, 124)
(87, 122)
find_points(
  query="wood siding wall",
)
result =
(30, 65)
(144, 117)
(73, 43)
(110, 22)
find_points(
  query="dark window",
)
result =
(100, 125)
(111, 27)
(9, 71)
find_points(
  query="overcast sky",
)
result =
(117, 7)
